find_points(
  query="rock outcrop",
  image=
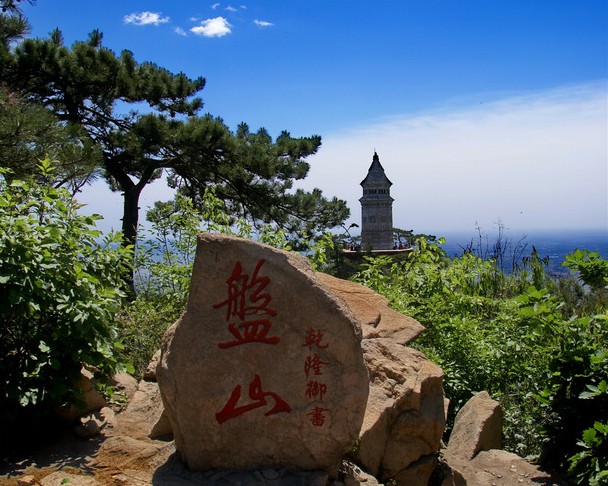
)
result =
(145, 416)
(477, 427)
(265, 367)
(405, 413)
(91, 399)
(473, 456)
(376, 318)
(399, 437)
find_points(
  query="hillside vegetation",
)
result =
(539, 345)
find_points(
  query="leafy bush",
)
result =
(592, 268)
(537, 345)
(591, 464)
(59, 291)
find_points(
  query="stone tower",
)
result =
(376, 209)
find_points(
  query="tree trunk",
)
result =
(130, 218)
(130, 221)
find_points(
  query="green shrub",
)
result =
(59, 291)
(592, 268)
(590, 465)
(535, 344)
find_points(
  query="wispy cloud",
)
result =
(230, 8)
(180, 31)
(535, 161)
(263, 23)
(215, 6)
(215, 27)
(145, 18)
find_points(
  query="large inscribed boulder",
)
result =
(265, 367)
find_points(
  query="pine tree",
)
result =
(30, 133)
(90, 87)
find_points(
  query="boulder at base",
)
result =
(265, 367)
(477, 427)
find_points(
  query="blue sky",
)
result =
(480, 110)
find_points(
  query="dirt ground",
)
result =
(110, 460)
(76, 456)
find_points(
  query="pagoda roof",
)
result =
(375, 174)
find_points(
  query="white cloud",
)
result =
(534, 161)
(230, 8)
(216, 27)
(145, 18)
(180, 31)
(214, 6)
(263, 23)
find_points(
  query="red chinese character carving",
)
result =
(241, 288)
(317, 416)
(246, 297)
(253, 332)
(315, 389)
(313, 363)
(258, 395)
(315, 338)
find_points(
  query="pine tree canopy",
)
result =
(146, 120)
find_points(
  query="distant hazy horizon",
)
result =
(552, 244)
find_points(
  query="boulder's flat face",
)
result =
(265, 367)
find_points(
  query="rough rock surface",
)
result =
(265, 367)
(145, 415)
(150, 372)
(497, 468)
(405, 413)
(91, 398)
(354, 476)
(60, 478)
(376, 318)
(472, 455)
(405, 416)
(477, 427)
